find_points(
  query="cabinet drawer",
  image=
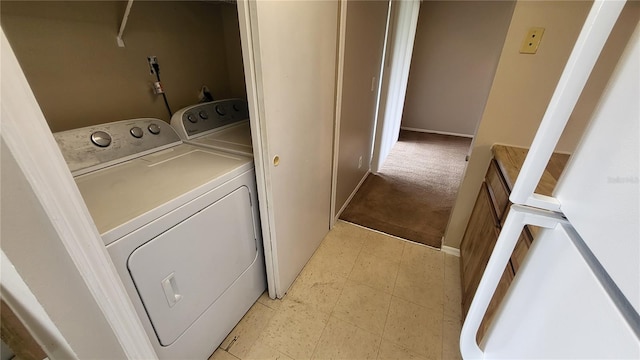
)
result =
(497, 189)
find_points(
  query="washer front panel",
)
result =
(204, 118)
(93, 147)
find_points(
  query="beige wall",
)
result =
(524, 85)
(80, 76)
(455, 55)
(366, 22)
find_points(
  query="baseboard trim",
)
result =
(436, 132)
(451, 250)
(353, 193)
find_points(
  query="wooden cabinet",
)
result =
(488, 215)
(477, 244)
(480, 237)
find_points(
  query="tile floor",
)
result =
(363, 295)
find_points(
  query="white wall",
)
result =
(455, 56)
(32, 245)
(524, 85)
(364, 42)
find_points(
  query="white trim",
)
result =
(41, 161)
(24, 304)
(450, 250)
(253, 79)
(401, 32)
(336, 130)
(353, 193)
(436, 132)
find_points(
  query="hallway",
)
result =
(363, 295)
(414, 192)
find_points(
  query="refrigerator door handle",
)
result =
(518, 217)
(592, 38)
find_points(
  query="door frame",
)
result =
(42, 165)
(403, 20)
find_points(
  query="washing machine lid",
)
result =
(124, 197)
(235, 139)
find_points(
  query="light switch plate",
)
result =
(532, 41)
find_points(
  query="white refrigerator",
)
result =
(577, 294)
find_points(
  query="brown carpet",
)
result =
(412, 196)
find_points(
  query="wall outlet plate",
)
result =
(532, 40)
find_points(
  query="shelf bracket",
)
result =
(123, 25)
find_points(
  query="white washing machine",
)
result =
(181, 225)
(222, 125)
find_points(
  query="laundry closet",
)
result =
(81, 76)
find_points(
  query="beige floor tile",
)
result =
(452, 287)
(264, 299)
(342, 340)
(422, 258)
(415, 328)
(294, 330)
(420, 287)
(451, 328)
(220, 354)
(383, 246)
(344, 235)
(363, 306)
(261, 351)
(378, 272)
(338, 252)
(391, 351)
(317, 288)
(242, 337)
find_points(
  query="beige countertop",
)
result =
(511, 158)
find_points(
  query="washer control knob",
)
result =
(203, 115)
(154, 129)
(192, 118)
(101, 138)
(220, 110)
(236, 107)
(136, 132)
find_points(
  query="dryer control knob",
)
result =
(192, 118)
(220, 110)
(101, 138)
(236, 107)
(154, 129)
(136, 132)
(203, 115)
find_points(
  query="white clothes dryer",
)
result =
(222, 125)
(181, 225)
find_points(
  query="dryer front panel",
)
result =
(180, 273)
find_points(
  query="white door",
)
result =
(289, 50)
(399, 48)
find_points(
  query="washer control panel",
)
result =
(93, 147)
(200, 119)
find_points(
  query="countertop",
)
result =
(511, 158)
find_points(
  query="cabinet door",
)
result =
(477, 245)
